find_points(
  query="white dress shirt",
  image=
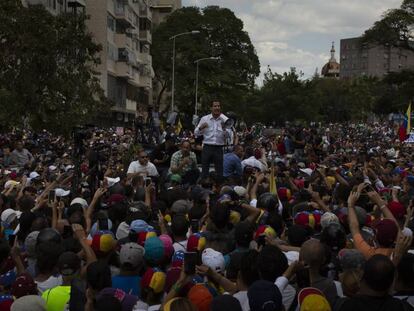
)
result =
(214, 133)
(145, 170)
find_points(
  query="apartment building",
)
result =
(58, 6)
(123, 29)
(162, 8)
(358, 59)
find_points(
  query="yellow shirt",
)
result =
(57, 298)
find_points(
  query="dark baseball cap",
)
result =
(264, 295)
(69, 263)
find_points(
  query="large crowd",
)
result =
(304, 217)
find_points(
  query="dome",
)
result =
(331, 68)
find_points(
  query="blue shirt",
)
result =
(232, 165)
(130, 284)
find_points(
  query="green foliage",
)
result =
(394, 28)
(47, 76)
(221, 35)
(288, 97)
(396, 91)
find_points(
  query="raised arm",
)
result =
(376, 198)
(89, 211)
(352, 217)
(90, 256)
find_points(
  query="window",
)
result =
(144, 24)
(143, 48)
(112, 52)
(111, 23)
(123, 55)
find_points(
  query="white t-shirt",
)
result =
(180, 246)
(146, 170)
(287, 291)
(254, 204)
(51, 282)
(243, 299)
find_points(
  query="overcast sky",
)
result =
(298, 33)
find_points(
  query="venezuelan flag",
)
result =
(405, 129)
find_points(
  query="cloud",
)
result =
(298, 33)
(280, 57)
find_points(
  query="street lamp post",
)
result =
(173, 63)
(196, 86)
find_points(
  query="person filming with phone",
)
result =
(184, 163)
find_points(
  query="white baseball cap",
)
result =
(241, 191)
(213, 259)
(80, 201)
(9, 215)
(61, 192)
(112, 181)
(34, 175)
(306, 171)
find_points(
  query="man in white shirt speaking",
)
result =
(212, 128)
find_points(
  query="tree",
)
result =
(395, 27)
(47, 76)
(221, 35)
(288, 96)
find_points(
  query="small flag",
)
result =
(272, 182)
(405, 128)
(179, 127)
(408, 116)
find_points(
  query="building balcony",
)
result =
(145, 12)
(123, 13)
(127, 55)
(123, 70)
(143, 57)
(146, 36)
(122, 41)
(128, 72)
(77, 3)
(131, 105)
(145, 81)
